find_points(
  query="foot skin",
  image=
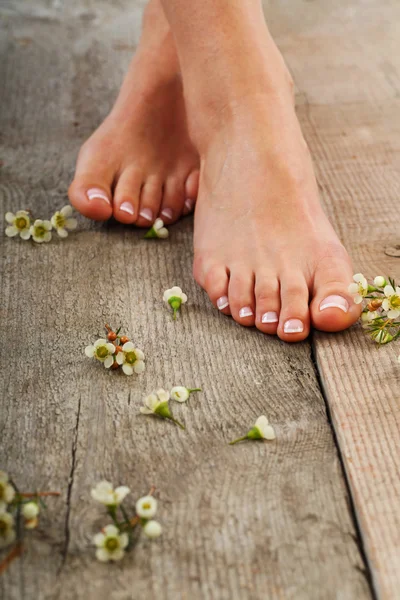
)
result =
(140, 164)
(265, 251)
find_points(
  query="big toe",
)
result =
(332, 307)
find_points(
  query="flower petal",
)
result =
(99, 539)
(25, 234)
(388, 290)
(139, 366)
(121, 492)
(128, 347)
(63, 233)
(108, 362)
(127, 369)
(89, 351)
(71, 224)
(10, 217)
(111, 531)
(11, 231)
(102, 555)
(66, 210)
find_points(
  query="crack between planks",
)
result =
(70, 486)
(358, 538)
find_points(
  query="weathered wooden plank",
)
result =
(239, 522)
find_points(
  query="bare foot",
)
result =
(265, 251)
(140, 164)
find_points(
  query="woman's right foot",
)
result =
(140, 164)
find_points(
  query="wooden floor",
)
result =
(314, 515)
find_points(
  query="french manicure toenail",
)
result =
(334, 302)
(127, 207)
(245, 312)
(222, 302)
(147, 214)
(167, 213)
(293, 326)
(97, 193)
(189, 203)
(270, 317)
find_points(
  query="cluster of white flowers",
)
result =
(262, 430)
(157, 230)
(157, 403)
(40, 230)
(112, 354)
(113, 540)
(381, 312)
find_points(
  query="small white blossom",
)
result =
(62, 221)
(359, 289)
(105, 493)
(379, 281)
(30, 510)
(367, 317)
(7, 492)
(153, 401)
(391, 303)
(261, 430)
(146, 507)
(152, 529)
(383, 337)
(110, 544)
(181, 394)
(41, 231)
(175, 297)
(102, 351)
(7, 531)
(131, 359)
(20, 223)
(157, 230)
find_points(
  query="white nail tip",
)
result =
(91, 194)
(293, 326)
(270, 317)
(167, 212)
(189, 204)
(222, 302)
(245, 312)
(146, 214)
(335, 301)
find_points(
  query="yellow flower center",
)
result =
(112, 544)
(59, 219)
(395, 301)
(21, 223)
(40, 231)
(146, 505)
(130, 357)
(101, 352)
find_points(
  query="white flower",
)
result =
(153, 401)
(379, 281)
(41, 231)
(152, 529)
(102, 351)
(382, 337)
(359, 289)
(181, 394)
(146, 507)
(7, 532)
(30, 510)
(157, 230)
(110, 544)
(7, 491)
(175, 297)
(367, 317)
(261, 430)
(61, 221)
(131, 359)
(105, 493)
(392, 301)
(20, 223)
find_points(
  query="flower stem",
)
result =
(14, 553)
(241, 439)
(176, 422)
(194, 390)
(38, 494)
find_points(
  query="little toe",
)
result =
(173, 199)
(191, 191)
(268, 303)
(216, 283)
(241, 296)
(150, 202)
(332, 307)
(91, 196)
(126, 196)
(294, 319)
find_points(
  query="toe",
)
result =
(332, 307)
(294, 319)
(173, 199)
(268, 303)
(126, 196)
(241, 296)
(216, 282)
(191, 191)
(150, 201)
(91, 196)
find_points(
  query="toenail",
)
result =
(189, 203)
(293, 326)
(167, 213)
(147, 214)
(222, 302)
(127, 207)
(245, 312)
(270, 317)
(334, 302)
(97, 193)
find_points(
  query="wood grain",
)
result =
(252, 521)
